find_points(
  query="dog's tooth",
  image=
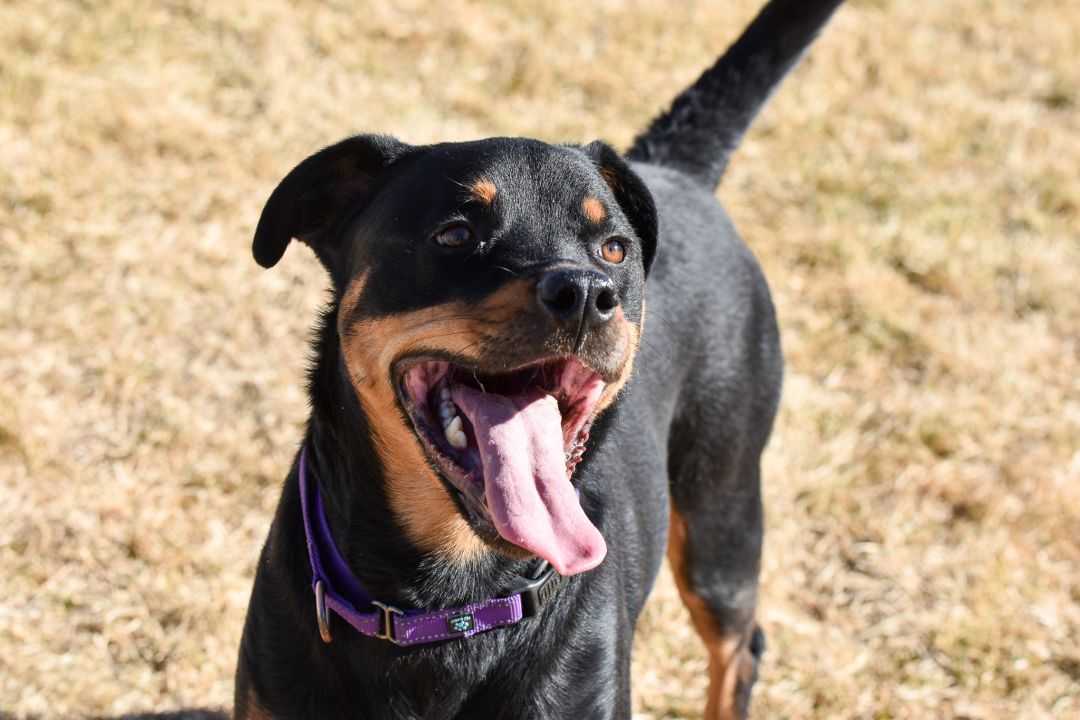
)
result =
(446, 422)
(446, 411)
(454, 433)
(458, 439)
(445, 393)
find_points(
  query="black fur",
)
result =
(688, 429)
(705, 124)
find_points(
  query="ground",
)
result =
(913, 195)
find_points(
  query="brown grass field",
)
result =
(913, 192)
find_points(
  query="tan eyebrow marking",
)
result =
(593, 209)
(484, 190)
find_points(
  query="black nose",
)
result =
(578, 299)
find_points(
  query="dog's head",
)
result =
(489, 298)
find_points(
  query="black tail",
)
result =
(707, 121)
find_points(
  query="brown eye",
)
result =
(613, 251)
(455, 236)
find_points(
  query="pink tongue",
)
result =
(531, 500)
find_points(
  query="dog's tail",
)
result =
(707, 121)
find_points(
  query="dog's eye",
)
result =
(613, 251)
(455, 236)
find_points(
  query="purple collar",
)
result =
(337, 589)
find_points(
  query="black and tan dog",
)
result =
(476, 427)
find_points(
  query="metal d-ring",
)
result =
(322, 614)
(387, 631)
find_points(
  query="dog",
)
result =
(491, 472)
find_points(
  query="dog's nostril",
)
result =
(605, 301)
(565, 299)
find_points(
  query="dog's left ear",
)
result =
(633, 197)
(318, 193)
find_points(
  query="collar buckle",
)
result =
(537, 592)
(386, 632)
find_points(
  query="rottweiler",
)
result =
(492, 472)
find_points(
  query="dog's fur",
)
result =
(673, 459)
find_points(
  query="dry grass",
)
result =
(913, 194)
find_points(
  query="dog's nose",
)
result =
(577, 298)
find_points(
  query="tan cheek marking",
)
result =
(484, 190)
(632, 338)
(594, 210)
(349, 300)
(728, 660)
(417, 496)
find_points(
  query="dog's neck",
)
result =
(343, 460)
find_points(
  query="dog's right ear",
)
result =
(318, 193)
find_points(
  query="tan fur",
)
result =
(729, 660)
(594, 210)
(632, 339)
(484, 190)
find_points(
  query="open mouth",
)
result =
(509, 443)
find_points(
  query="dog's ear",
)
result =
(319, 192)
(633, 197)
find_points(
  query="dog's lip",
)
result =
(404, 363)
